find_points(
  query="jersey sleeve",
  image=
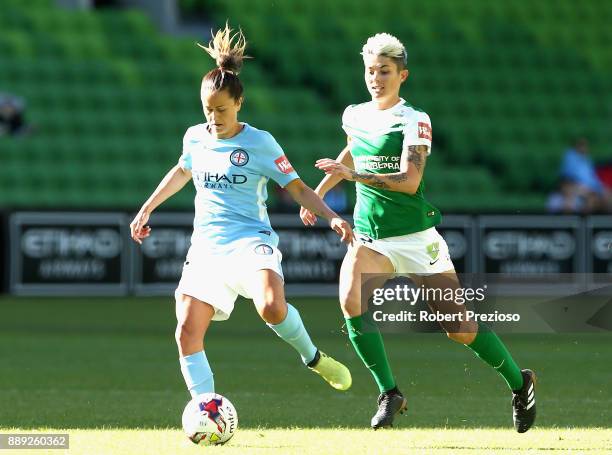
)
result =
(275, 164)
(346, 115)
(188, 144)
(417, 131)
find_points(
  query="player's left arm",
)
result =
(307, 198)
(407, 180)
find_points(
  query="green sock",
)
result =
(368, 344)
(492, 350)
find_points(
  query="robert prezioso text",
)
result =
(411, 295)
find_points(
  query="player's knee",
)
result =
(349, 302)
(349, 307)
(273, 311)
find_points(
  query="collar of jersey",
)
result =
(401, 102)
(376, 122)
(233, 138)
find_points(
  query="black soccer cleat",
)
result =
(389, 403)
(523, 403)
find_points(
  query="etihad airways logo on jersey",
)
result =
(215, 181)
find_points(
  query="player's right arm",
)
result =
(171, 184)
(330, 181)
(327, 183)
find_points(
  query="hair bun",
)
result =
(227, 49)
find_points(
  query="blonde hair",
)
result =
(386, 45)
(227, 54)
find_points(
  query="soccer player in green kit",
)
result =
(389, 142)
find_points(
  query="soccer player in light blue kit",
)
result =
(233, 248)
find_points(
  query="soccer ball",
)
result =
(210, 419)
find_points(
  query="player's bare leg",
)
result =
(269, 298)
(358, 264)
(193, 318)
(363, 270)
(268, 294)
(487, 345)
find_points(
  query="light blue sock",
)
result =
(197, 373)
(292, 330)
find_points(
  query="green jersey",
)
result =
(377, 138)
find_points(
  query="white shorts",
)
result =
(218, 278)
(424, 252)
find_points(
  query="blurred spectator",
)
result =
(578, 167)
(12, 115)
(580, 189)
(570, 197)
(604, 172)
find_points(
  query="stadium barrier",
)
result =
(68, 253)
(73, 253)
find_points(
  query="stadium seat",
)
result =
(494, 77)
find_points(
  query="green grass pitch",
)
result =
(105, 370)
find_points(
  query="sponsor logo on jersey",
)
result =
(424, 130)
(239, 157)
(213, 180)
(377, 162)
(283, 165)
(264, 249)
(236, 179)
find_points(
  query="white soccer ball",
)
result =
(210, 419)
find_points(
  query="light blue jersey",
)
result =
(231, 176)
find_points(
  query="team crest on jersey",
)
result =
(424, 130)
(264, 249)
(239, 157)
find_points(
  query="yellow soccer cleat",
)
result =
(335, 374)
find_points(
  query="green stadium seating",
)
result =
(110, 96)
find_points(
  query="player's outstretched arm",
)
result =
(307, 198)
(330, 181)
(172, 182)
(326, 184)
(407, 180)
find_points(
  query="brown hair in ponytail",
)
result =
(228, 51)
